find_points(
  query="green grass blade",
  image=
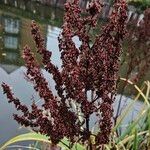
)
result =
(131, 137)
(148, 89)
(127, 109)
(38, 137)
(124, 114)
(26, 137)
(133, 124)
(138, 89)
(135, 144)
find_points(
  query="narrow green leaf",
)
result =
(135, 144)
(131, 137)
(133, 124)
(38, 137)
(26, 137)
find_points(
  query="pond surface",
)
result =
(14, 34)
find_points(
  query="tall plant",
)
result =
(135, 62)
(87, 77)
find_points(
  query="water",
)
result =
(14, 34)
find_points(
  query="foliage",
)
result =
(32, 136)
(136, 135)
(87, 69)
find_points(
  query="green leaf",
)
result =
(138, 89)
(133, 124)
(26, 137)
(135, 144)
(131, 137)
(38, 137)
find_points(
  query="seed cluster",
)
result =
(89, 68)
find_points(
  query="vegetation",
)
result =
(141, 5)
(86, 85)
(135, 136)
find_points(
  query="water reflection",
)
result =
(11, 25)
(9, 43)
(14, 34)
(33, 10)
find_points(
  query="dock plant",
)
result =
(85, 83)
